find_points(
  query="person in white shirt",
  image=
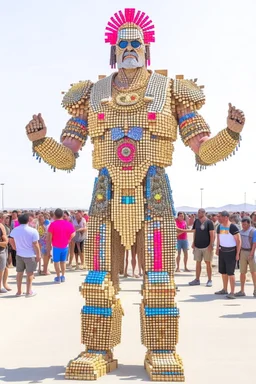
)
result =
(24, 240)
(228, 249)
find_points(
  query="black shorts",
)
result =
(81, 247)
(227, 262)
(13, 252)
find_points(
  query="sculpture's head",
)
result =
(130, 34)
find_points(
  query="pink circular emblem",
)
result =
(126, 152)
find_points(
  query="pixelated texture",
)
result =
(53, 154)
(219, 147)
(191, 125)
(76, 128)
(132, 131)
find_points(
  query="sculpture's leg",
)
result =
(159, 314)
(102, 313)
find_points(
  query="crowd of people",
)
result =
(232, 236)
(29, 240)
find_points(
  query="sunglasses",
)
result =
(124, 44)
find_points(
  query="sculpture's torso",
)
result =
(148, 127)
(131, 130)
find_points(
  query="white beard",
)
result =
(129, 63)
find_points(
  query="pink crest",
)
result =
(130, 15)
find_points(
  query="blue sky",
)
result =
(46, 45)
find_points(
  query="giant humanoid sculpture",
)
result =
(132, 118)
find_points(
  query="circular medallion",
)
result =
(127, 98)
(126, 152)
(158, 197)
(99, 197)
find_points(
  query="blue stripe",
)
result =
(88, 310)
(95, 277)
(170, 194)
(84, 123)
(161, 311)
(168, 373)
(127, 199)
(97, 352)
(186, 117)
(158, 277)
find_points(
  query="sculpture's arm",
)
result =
(63, 156)
(211, 150)
(194, 131)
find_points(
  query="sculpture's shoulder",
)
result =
(77, 95)
(187, 92)
(104, 79)
(101, 92)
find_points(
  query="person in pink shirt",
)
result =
(182, 242)
(14, 221)
(60, 233)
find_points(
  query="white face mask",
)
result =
(130, 49)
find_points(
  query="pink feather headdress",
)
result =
(139, 19)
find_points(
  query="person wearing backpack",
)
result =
(247, 255)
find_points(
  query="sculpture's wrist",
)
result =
(233, 135)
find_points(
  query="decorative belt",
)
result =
(246, 249)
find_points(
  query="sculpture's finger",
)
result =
(29, 129)
(41, 120)
(229, 110)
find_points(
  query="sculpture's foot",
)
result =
(90, 365)
(164, 366)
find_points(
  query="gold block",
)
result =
(163, 72)
(158, 365)
(112, 366)
(89, 367)
(179, 77)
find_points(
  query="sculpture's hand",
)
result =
(235, 119)
(36, 128)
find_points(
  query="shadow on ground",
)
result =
(130, 372)
(203, 298)
(245, 315)
(38, 374)
(185, 274)
(31, 374)
(212, 297)
(127, 279)
(8, 296)
(35, 283)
